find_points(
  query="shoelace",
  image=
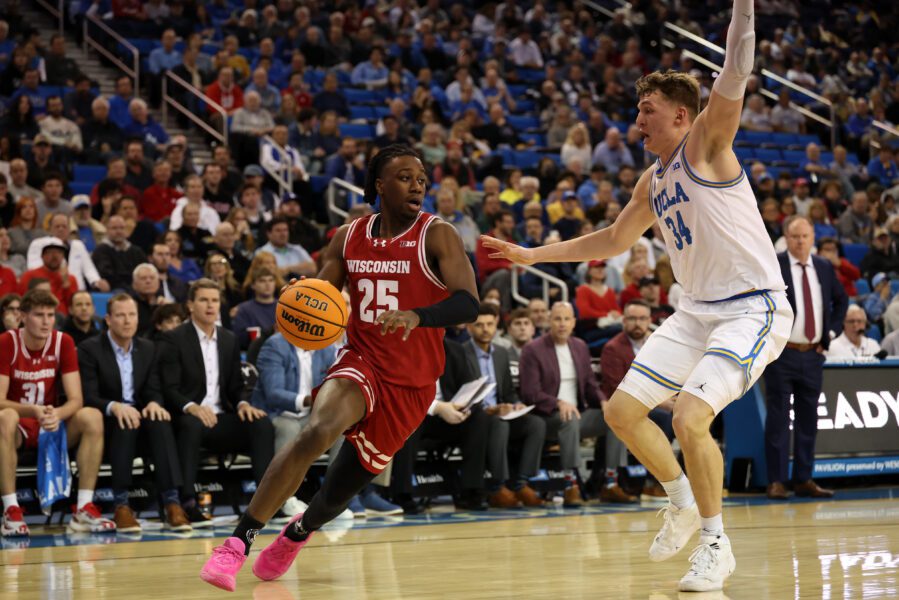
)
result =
(665, 512)
(284, 548)
(703, 559)
(226, 556)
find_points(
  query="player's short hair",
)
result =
(488, 308)
(117, 298)
(37, 299)
(204, 283)
(376, 166)
(680, 88)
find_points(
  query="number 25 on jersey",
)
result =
(383, 293)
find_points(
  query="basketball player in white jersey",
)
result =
(734, 318)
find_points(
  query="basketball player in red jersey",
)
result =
(408, 278)
(32, 359)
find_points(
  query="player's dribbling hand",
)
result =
(391, 320)
(511, 252)
(249, 413)
(292, 281)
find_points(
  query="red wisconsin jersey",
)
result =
(33, 375)
(393, 274)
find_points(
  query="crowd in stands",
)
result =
(523, 116)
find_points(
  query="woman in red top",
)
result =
(594, 299)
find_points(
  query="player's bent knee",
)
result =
(91, 420)
(692, 418)
(623, 411)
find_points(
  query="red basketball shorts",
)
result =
(392, 412)
(30, 429)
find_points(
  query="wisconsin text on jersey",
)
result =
(378, 266)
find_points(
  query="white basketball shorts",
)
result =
(713, 350)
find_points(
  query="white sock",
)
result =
(9, 500)
(679, 491)
(84, 497)
(711, 526)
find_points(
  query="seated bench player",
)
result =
(32, 360)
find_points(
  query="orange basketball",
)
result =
(312, 314)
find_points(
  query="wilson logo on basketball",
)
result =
(303, 326)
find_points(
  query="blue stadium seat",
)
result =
(355, 96)
(523, 122)
(854, 253)
(894, 287)
(744, 153)
(89, 173)
(758, 137)
(539, 139)
(81, 187)
(359, 131)
(361, 112)
(526, 159)
(807, 138)
(319, 183)
(862, 287)
(381, 111)
(874, 333)
(768, 155)
(796, 156)
(101, 299)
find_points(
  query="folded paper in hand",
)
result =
(471, 393)
(517, 413)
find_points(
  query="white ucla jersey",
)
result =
(713, 231)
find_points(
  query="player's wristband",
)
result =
(460, 307)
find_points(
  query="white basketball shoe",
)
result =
(712, 562)
(679, 527)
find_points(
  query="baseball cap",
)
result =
(596, 262)
(800, 181)
(766, 176)
(650, 280)
(569, 195)
(41, 139)
(54, 243)
(368, 22)
(880, 231)
(878, 279)
(81, 200)
(253, 171)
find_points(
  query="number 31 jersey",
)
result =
(393, 274)
(714, 232)
(33, 375)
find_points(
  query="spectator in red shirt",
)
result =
(594, 299)
(847, 273)
(503, 228)
(53, 270)
(225, 92)
(159, 199)
(115, 171)
(8, 282)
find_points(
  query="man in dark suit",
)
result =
(557, 378)
(448, 425)
(525, 434)
(118, 376)
(819, 302)
(202, 383)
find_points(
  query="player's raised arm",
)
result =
(717, 125)
(610, 241)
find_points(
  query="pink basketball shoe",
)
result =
(222, 567)
(278, 556)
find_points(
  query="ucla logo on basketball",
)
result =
(303, 326)
(311, 302)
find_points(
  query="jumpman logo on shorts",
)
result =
(701, 388)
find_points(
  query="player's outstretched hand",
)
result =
(511, 252)
(391, 320)
(292, 281)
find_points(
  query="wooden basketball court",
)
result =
(846, 548)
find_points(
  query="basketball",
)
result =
(311, 314)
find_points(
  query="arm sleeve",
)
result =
(738, 57)
(460, 307)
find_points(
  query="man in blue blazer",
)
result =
(819, 302)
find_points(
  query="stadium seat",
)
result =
(361, 112)
(854, 253)
(359, 131)
(894, 287)
(319, 183)
(539, 139)
(356, 96)
(794, 156)
(526, 159)
(101, 299)
(768, 155)
(862, 287)
(523, 122)
(88, 173)
(81, 187)
(874, 333)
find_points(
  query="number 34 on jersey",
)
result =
(667, 209)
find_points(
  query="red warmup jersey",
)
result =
(33, 375)
(393, 274)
